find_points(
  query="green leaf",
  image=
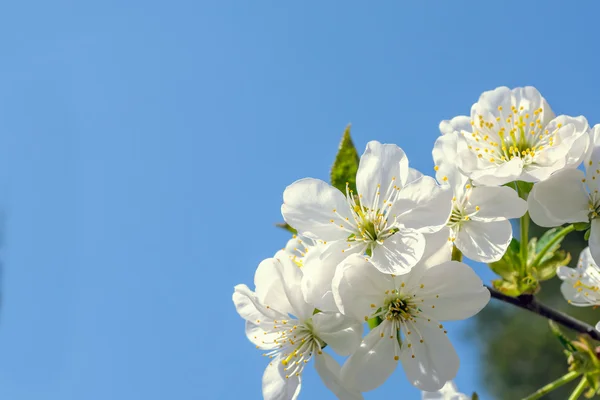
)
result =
(346, 164)
(547, 269)
(474, 396)
(508, 265)
(586, 235)
(284, 225)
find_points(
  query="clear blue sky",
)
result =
(145, 145)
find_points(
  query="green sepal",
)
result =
(374, 322)
(531, 250)
(506, 287)
(287, 227)
(581, 226)
(547, 269)
(345, 165)
(524, 188)
(543, 241)
(507, 265)
(586, 235)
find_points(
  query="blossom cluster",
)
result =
(372, 274)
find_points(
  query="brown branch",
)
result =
(529, 302)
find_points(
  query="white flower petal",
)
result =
(594, 241)
(329, 371)
(374, 361)
(308, 206)
(340, 249)
(423, 205)
(343, 334)
(259, 319)
(565, 273)
(438, 248)
(261, 335)
(497, 203)
(484, 241)
(493, 175)
(491, 100)
(573, 295)
(357, 284)
(379, 165)
(413, 175)
(435, 361)
(250, 308)
(316, 281)
(270, 288)
(560, 199)
(569, 131)
(454, 289)
(593, 153)
(445, 156)
(455, 125)
(399, 253)
(275, 386)
(278, 285)
(592, 163)
(448, 392)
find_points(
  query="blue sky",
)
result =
(145, 145)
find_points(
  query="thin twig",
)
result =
(529, 302)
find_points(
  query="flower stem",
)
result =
(579, 389)
(456, 254)
(524, 240)
(553, 385)
(566, 230)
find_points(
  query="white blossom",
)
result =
(479, 224)
(448, 392)
(385, 220)
(581, 285)
(281, 323)
(411, 308)
(514, 135)
(568, 196)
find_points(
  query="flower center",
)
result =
(514, 133)
(371, 223)
(399, 309)
(295, 345)
(462, 211)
